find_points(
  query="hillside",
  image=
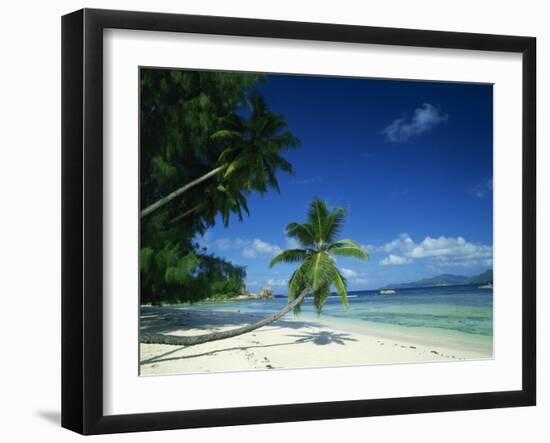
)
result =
(446, 280)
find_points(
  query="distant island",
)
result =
(485, 279)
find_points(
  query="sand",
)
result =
(291, 342)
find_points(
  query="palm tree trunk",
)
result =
(161, 202)
(185, 214)
(146, 337)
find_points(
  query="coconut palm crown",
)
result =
(317, 238)
(254, 146)
(250, 155)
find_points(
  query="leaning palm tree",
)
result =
(220, 199)
(252, 155)
(317, 273)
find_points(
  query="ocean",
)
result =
(456, 316)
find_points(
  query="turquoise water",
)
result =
(463, 314)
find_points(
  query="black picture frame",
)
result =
(82, 218)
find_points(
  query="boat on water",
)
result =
(486, 286)
(386, 292)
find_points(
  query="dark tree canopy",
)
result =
(212, 128)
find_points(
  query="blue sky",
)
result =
(412, 161)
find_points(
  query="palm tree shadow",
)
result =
(320, 338)
(167, 320)
(323, 338)
(160, 359)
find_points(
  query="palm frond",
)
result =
(320, 296)
(340, 284)
(259, 106)
(283, 164)
(317, 214)
(275, 124)
(289, 256)
(241, 199)
(227, 155)
(233, 122)
(236, 165)
(333, 224)
(346, 243)
(301, 232)
(225, 133)
(296, 285)
(322, 269)
(287, 140)
(348, 248)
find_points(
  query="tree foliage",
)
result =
(192, 122)
(317, 237)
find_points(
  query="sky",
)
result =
(412, 162)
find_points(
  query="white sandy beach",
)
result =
(288, 343)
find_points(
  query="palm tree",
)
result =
(215, 200)
(317, 273)
(252, 156)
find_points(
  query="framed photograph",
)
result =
(269, 221)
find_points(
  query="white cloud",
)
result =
(292, 243)
(224, 244)
(276, 282)
(263, 247)
(249, 253)
(349, 273)
(371, 249)
(249, 248)
(447, 251)
(481, 190)
(424, 118)
(354, 277)
(450, 247)
(395, 260)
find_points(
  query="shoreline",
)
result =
(257, 297)
(289, 343)
(241, 297)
